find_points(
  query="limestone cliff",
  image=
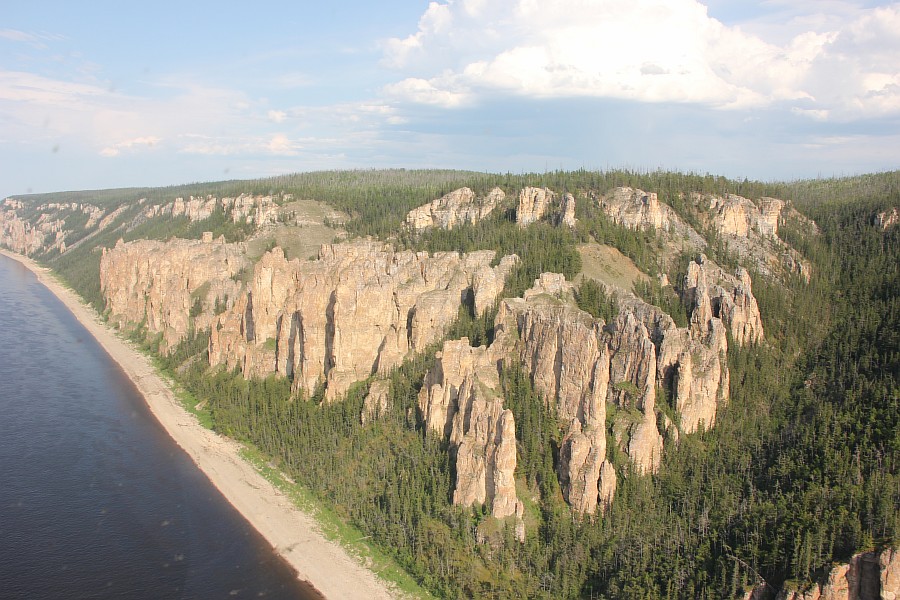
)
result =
(581, 365)
(488, 283)
(19, 235)
(567, 212)
(460, 401)
(750, 230)
(377, 401)
(533, 205)
(636, 209)
(563, 350)
(160, 284)
(868, 576)
(458, 207)
(887, 218)
(359, 309)
(730, 298)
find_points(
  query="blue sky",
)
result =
(103, 94)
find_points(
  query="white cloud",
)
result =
(650, 51)
(278, 144)
(138, 142)
(34, 39)
(281, 145)
(439, 92)
(277, 116)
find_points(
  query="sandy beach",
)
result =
(291, 532)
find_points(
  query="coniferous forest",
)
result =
(801, 470)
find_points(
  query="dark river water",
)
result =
(96, 501)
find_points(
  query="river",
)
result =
(96, 501)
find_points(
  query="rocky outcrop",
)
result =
(636, 209)
(887, 218)
(359, 309)
(260, 210)
(19, 235)
(567, 212)
(769, 216)
(195, 209)
(256, 209)
(460, 401)
(488, 283)
(170, 287)
(692, 360)
(581, 365)
(456, 208)
(730, 298)
(750, 230)
(533, 205)
(377, 401)
(868, 576)
(564, 351)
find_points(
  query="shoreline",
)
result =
(293, 534)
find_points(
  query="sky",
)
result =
(115, 94)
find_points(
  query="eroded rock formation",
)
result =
(636, 209)
(460, 401)
(567, 212)
(887, 218)
(357, 310)
(160, 284)
(458, 207)
(377, 401)
(750, 230)
(533, 205)
(868, 576)
(730, 298)
(19, 235)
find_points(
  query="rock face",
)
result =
(458, 207)
(750, 230)
(18, 235)
(730, 298)
(692, 360)
(459, 401)
(581, 365)
(887, 218)
(567, 215)
(533, 205)
(377, 401)
(488, 283)
(357, 310)
(162, 283)
(868, 576)
(564, 351)
(637, 209)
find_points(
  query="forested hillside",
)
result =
(801, 469)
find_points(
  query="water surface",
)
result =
(96, 501)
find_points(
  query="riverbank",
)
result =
(292, 533)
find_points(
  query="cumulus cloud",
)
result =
(650, 51)
(281, 145)
(138, 142)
